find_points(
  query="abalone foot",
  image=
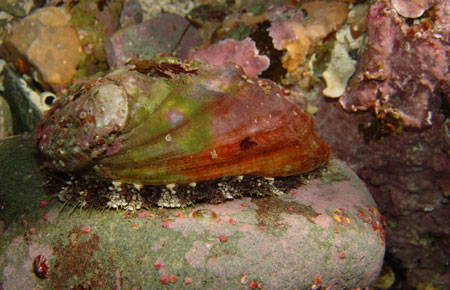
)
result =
(89, 192)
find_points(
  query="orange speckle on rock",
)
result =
(158, 265)
(172, 278)
(45, 216)
(232, 221)
(134, 226)
(223, 238)
(44, 203)
(187, 280)
(142, 214)
(164, 279)
(361, 214)
(86, 229)
(317, 283)
(252, 285)
(166, 223)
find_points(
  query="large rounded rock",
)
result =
(45, 41)
(325, 233)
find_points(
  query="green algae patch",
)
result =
(335, 173)
(21, 184)
(269, 212)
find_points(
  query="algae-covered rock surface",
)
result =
(327, 233)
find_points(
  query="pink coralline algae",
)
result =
(404, 65)
(403, 71)
(411, 9)
(242, 52)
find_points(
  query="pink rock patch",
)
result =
(243, 53)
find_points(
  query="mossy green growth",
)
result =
(21, 183)
(323, 57)
(90, 31)
(334, 174)
(239, 31)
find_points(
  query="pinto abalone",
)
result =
(172, 132)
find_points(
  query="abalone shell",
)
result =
(164, 121)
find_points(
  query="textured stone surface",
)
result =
(26, 103)
(44, 42)
(168, 33)
(404, 66)
(328, 229)
(19, 8)
(131, 14)
(243, 53)
(6, 126)
(408, 174)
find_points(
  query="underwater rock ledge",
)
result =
(327, 233)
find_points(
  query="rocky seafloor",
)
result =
(324, 234)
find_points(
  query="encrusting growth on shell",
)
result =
(157, 127)
(94, 192)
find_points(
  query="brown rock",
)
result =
(47, 44)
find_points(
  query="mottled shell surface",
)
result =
(170, 121)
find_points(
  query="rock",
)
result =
(405, 85)
(159, 34)
(26, 103)
(152, 8)
(407, 175)
(243, 53)
(18, 8)
(131, 14)
(45, 43)
(412, 9)
(402, 80)
(327, 233)
(6, 126)
(94, 21)
(300, 37)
